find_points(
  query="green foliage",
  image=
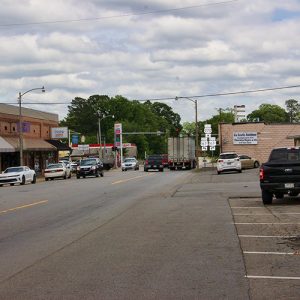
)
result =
(293, 110)
(269, 113)
(83, 117)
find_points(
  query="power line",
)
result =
(227, 94)
(119, 16)
(173, 98)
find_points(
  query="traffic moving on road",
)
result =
(133, 229)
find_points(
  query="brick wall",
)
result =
(38, 128)
(269, 136)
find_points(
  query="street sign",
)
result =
(84, 147)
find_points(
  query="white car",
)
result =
(229, 161)
(21, 175)
(130, 163)
(60, 170)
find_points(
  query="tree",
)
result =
(134, 116)
(293, 110)
(269, 113)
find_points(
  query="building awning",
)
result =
(59, 145)
(5, 146)
(30, 144)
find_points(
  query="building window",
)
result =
(5, 127)
(14, 128)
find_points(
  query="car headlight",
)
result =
(93, 167)
(78, 168)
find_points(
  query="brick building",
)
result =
(36, 126)
(257, 139)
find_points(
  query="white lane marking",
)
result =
(272, 277)
(267, 223)
(267, 236)
(270, 253)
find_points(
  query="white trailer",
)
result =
(181, 153)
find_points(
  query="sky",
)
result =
(144, 49)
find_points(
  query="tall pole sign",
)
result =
(118, 138)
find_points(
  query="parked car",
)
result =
(154, 162)
(280, 174)
(130, 163)
(59, 170)
(229, 161)
(19, 175)
(90, 167)
(248, 162)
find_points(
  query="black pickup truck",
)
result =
(154, 162)
(281, 174)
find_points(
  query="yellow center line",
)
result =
(125, 180)
(23, 206)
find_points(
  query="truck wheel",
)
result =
(267, 197)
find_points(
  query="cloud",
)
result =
(121, 47)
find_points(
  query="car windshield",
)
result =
(14, 169)
(129, 160)
(285, 154)
(88, 162)
(228, 156)
(55, 166)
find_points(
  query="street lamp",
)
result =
(101, 117)
(20, 120)
(196, 125)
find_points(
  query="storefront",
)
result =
(37, 153)
(257, 139)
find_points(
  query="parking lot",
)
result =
(270, 241)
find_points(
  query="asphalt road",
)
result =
(129, 235)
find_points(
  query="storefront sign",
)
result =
(84, 147)
(59, 132)
(245, 138)
(75, 139)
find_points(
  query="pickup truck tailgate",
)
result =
(281, 172)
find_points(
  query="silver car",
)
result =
(130, 163)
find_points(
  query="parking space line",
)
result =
(268, 236)
(272, 277)
(23, 206)
(267, 223)
(269, 214)
(247, 207)
(270, 253)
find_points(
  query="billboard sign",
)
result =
(59, 132)
(245, 138)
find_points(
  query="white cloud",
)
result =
(210, 49)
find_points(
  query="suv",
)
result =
(90, 167)
(229, 161)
